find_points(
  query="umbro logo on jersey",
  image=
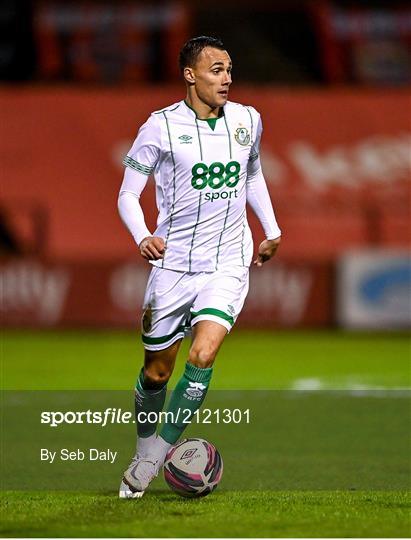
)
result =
(242, 136)
(185, 139)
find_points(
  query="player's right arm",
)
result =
(140, 163)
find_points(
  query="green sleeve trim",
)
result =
(161, 339)
(212, 311)
(139, 167)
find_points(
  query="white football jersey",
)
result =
(200, 175)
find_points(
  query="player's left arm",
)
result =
(259, 200)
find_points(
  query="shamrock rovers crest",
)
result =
(242, 136)
(147, 319)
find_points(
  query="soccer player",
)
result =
(204, 153)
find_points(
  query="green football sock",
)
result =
(188, 395)
(148, 398)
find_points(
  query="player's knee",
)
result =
(156, 377)
(202, 356)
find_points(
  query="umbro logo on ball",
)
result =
(188, 453)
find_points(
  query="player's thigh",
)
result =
(221, 298)
(166, 315)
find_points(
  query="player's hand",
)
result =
(152, 248)
(267, 250)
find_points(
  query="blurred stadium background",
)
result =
(331, 79)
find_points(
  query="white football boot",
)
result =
(137, 477)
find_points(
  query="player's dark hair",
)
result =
(190, 51)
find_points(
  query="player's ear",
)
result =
(189, 75)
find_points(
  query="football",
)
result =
(193, 468)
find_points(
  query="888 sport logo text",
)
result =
(216, 176)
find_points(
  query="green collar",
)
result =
(210, 121)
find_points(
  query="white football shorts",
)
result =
(175, 301)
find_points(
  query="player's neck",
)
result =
(202, 110)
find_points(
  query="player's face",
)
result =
(212, 76)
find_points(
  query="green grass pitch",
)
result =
(327, 505)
